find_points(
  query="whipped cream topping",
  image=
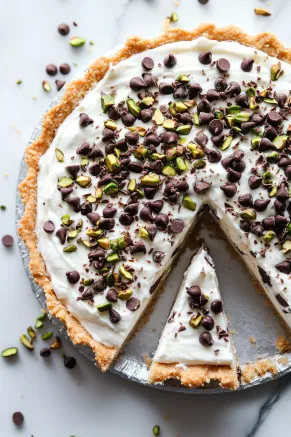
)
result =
(145, 270)
(180, 342)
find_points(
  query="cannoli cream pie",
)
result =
(195, 346)
(131, 154)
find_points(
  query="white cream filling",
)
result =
(70, 136)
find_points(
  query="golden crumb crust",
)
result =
(75, 91)
(259, 368)
(194, 376)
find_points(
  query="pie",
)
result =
(130, 156)
(195, 345)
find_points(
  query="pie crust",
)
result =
(74, 93)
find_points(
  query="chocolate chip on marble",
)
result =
(146, 115)
(63, 29)
(114, 316)
(201, 187)
(194, 292)
(280, 222)
(255, 182)
(127, 119)
(18, 418)
(131, 138)
(149, 80)
(233, 89)
(257, 229)
(65, 69)
(283, 192)
(216, 306)
(247, 127)
(147, 63)
(59, 84)
(152, 139)
(62, 235)
(49, 227)
(85, 120)
(205, 118)
(7, 240)
(281, 99)
(51, 69)
(111, 295)
(284, 267)
(246, 200)
(233, 175)
(156, 205)
(220, 84)
(94, 217)
(229, 190)
(96, 152)
(136, 84)
(215, 127)
(218, 140)
(166, 88)
(109, 212)
(201, 139)
(99, 285)
(207, 322)
(84, 149)
(213, 156)
(170, 61)
(194, 89)
(131, 209)
(212, 95)
(65, 192)
(239, 166)
(158, 256)
(74, 202)
(113, 113)
(73, 170)
(260, 205)
(138, 247)
(107, 223)
(73, 277)
(223, 65)
(287, 171)
(170, 138)
(182, 186)
(245, 226)
(243, 100)
(125, 219)
(247, 65)
(205, 58)
(204, 106)
(177, 226)
(150, 192)
(270, 132)
(269, 223)
(86, 208)
(206, 339)
(132, 304)
(258, 119)
(279, 206)
(265, 144)
(135, 167)
(274, 118)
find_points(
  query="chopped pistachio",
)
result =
(276, 71)
(47, 335)
(271, 101)
(113, 279)
(110, 124)
(83, 181)
(196, 118)
(112, 162)
(98, 193)
(147, 101)
(169, 170)
(56, 344)
(195, 320)
(38, 324)
(185, 129)
(59, 155)
(107, 100)
(201, 163)
(169, 124)
(88, 281)
(180, 107)
(267, 176)
(141, 152)
(46, 86)
(72, 234)
(9, 352)
(79, 225)
(261, 11)
(113, 258)
(242, 117)
(269, 235)
(143, 233)
(289, 229)
(111, 188)
(125, 294)
(233, 109)
(249, 214)
(286, 247)
(183, 78)
(218, 114)
(94, 233)
(150, 180)
(42, 317)
(27, 343)
(31, 332)
(189, 203)
(171, 153)
(196, 150)
(155, 156)
(227, 142)
(280, 141)
(230, 120)
(131, 185)
(125, 273)
(253, 104)
(66, 219)
(158, 117)
(156, 430)
(133, 108)
(104, 307)
(3, 207)
(86, 243)
(272, 157)
(91, 199)
(139, 130)
(255, 142)
(273, 191)
(69, 249)
(18, 82)
(104, 243)
(181, 164)
(174, 17)
(65, 182)
(84, 162)
(251, 92)
(77, 41)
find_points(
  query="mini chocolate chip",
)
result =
(108, 134)
(93, 217)
(114, 316)
(223, 65)
(149, 80)
(270, 132)
(51, 69)
(213, 156)
(7, 240)
(131, 138)
(233, 175)
(125, 219)
(287, 171)
(279, 206)
(284, 267)
(229, 190)
(257, 230)
(181, 92)
(62, 234)
(107, 223)
(269, 223)
(245, 226)
(246, 200)
(239, 166)
(127, 119)
(59, 84)
(281, 300)
(158, 255)
(206, 339)
(96, 152)
(152, 139)
(274, 118)
(109, 212)
(281, 99)
(111, 295)
(280, 222)
(147, 63)
(238, 155)
(255, 182)
(204, 106)
(135, 167)
(185, 118)
(205, 58)
(70, 362)
(157, 166)
(99, 285)
(170, 138)
(73, 277)
(215, 127)
(49, 227)
(218, 140)
(136, 84)
(156, 206)
(84, 149)
(258, 119)
(150, 192)
(86, 208)
(243, 101)
(265, 144)
(170, 61)
(201, 187)
(113, 113)
(216, 306)
(63, 29)
(65, 68)
(96, 254)
(18, 418)
(85, 120)
(265, 277)
(74, 202)
(131, 209)
(194, 90)
(212, 95)
(138, 247)
(205, 118)
(132, 304)
(73, 170)
(194, 292)
(182, 186)
(233, 89)
(146, 115)
(203, 2)
(283, 192)
(166, 88)
(247, 127)
(247, 65)
(207, 322)
(260, 205)
(201, 139)
(45, 352)
(177, 226)
(146, 214)
(220, 84)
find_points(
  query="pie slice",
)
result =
(130, 156)
(195, 346)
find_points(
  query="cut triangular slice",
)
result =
(195, 346)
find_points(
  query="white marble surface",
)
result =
(83, 403)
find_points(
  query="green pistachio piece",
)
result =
(84, 162)
(77, 41)
(27, 343)
(180, 107)
(150, 180)
(196, 150)
(110, 124)
(66, 219)
(156, 431)
(104, 243)
(79, 225)
(113, 279)
(273, 191)
(146, 102)
(86, 243)
(47, 335)
(31, 332)
(72, 234)
(46, 86)
(286, 247)
(174, 17)
(88, 281)
(242, 117)
(83, 181)
(143, 233)
(280, 142)
(169, 124)
(189, 203)
(133, 108)
(233, 109)
(155, 156)
(139, 193)
(139, 130)
(251, 92)
(111, 188)
(125, 273)
(158, 117)
(56, 344)
(131, 185)
(249, 214)
(91, 199)
(253, 104)
(264, 94)
(185, 129)
(267, 176)
(104, 307)
(59, 155)
(9, 352)
(271, 101)
(38, 324)
(94, 233)
(98, 193)
(272, 157)
(112, 163)
(107, 101)
(141, 152)
(171, 153)
(230, 121)
(190, 103)
(181, 164)
(183, 78)
(218, 114)
(227, 142)
(42, 317)
(182, 140)
(269, 235)
(288, 229)
(117, 152)
(121, 243)
(65, 182)
(195, 320)
(196, 119)
(168, 170)
(201, 163)
(255, 142)
(113, 258)
(69, 249)
(276, 71)
(125, 294)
